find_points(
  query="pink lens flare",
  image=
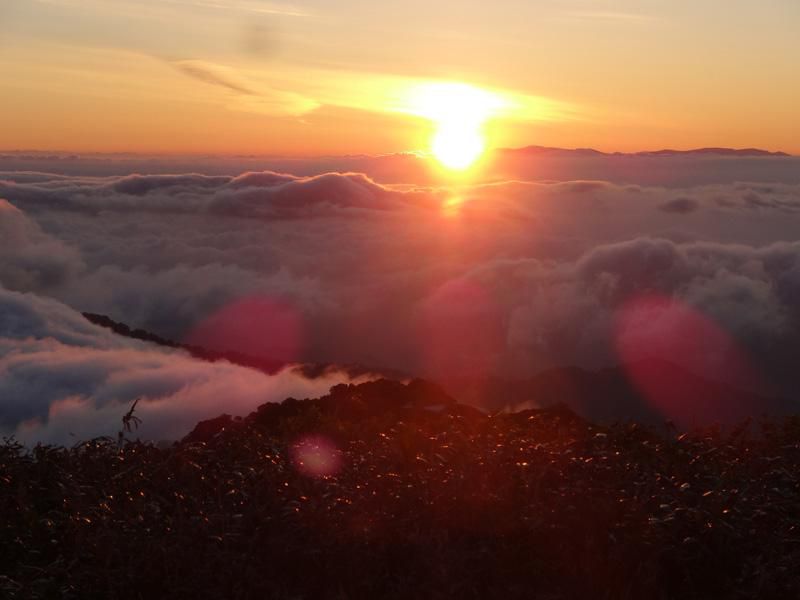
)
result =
(685, 364)
(259, 326)
(316, 456)
(459, 331)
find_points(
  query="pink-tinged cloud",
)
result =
(538, 270)
(63, 379)
(459, 331)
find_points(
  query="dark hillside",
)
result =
(386, 490)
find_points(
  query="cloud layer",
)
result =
(63, 379)
(506, 278)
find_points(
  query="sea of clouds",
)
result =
(442, 280)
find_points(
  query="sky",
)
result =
(311, 183)
(311, 78)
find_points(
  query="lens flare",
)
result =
(678, 358)
(316, 456)
(460, 332)
(260, 326)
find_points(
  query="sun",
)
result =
(457, 147)
(459, 112)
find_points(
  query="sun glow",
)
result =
(457, 147)
(460, 113)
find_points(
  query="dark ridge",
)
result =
(609, 394)
(589, 152)
(265, 365)
(601, 396)
(262, 364)
(383, 402)
(549, 151)
(713, 152)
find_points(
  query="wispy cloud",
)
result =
(250, 96)
(295, 94)
(212, 74)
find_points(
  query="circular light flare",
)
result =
(316, 456)
(459, 332)
(460, 112)
(258, 325)
(677, 358)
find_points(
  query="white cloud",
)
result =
(29, 258)
(375, 273)
(62, 378)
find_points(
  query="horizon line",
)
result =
(654, 153)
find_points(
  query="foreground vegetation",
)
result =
(391, 491)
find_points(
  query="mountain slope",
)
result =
(591, 152)
(671, 393)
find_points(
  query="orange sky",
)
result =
(314, 77)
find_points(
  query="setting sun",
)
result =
(460, 112)
(457, 146)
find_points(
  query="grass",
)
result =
(414, 497)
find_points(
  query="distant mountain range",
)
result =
(590, 152)
(671, 392)
(601, 396)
